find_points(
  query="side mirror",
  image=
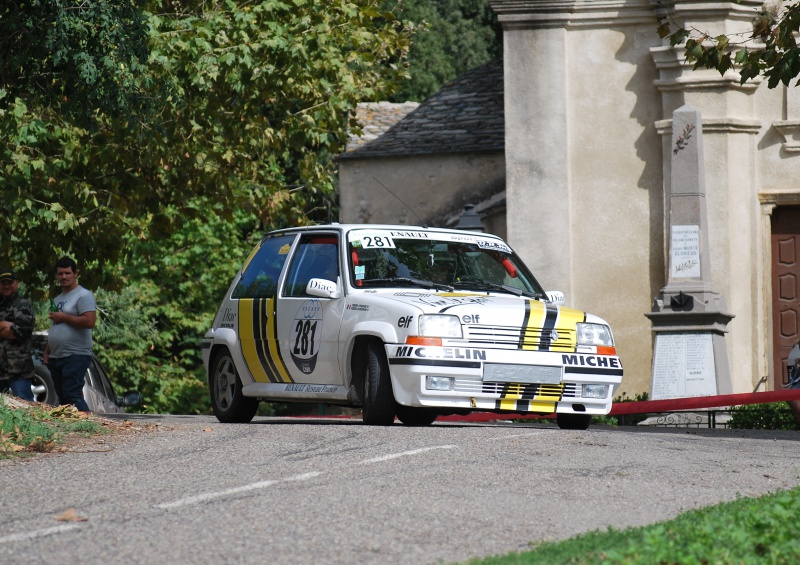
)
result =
(131, 398)
(323, 288)
(555, 297)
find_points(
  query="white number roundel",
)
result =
(306, 335)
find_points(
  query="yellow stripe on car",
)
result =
(543, 402)
(248, 312)
(257, 336)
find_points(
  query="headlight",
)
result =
(594, 334)
(438, 325)
(594, 391)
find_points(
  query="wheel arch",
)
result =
(358, 357)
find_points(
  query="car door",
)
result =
(308, 326)
(103, 393)
(254, 300)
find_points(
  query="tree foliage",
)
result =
(163, 142)
(770, 49)
(246, 104)
(451, 37)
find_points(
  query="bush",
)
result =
(773, 416)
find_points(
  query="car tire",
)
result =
(413, 416)
(378, 405)
(42, 385)
(573, 421)
(229, 404)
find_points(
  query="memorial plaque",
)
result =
(685, 252)
(683, 365)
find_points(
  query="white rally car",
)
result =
(403, 321)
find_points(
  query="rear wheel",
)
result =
(42, 385)
(573, 421)
(229, 404)
(378, 405)
(413, 416)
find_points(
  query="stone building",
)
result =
(440, 156)
(589, 90)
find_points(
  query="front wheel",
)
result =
(229, 404)
(573, 421)
(378, 405)
(413, 416)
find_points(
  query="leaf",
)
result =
(70, 515)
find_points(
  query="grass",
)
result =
(762, 530)
(37, 428)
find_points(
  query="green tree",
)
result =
(150, 331)
(451, 37)
(248, 103)
(770, 49)
(229, 129)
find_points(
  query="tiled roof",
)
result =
(466, 115)
(376, 118)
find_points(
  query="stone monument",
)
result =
(689, 317)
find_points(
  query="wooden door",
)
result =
(785, 287)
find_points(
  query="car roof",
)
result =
(344, 228)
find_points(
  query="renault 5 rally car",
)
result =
(403, 321)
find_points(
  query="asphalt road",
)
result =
(334, 491)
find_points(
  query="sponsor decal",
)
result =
(306, 335)
(448, 301)
(228, 315)
(471, 319)
(411, 234)
(322, 284)
(495, 245)
(358, 307)
(404, 321)
(600, 361)
(440, 353)
(309, 388)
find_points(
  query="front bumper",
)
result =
(471, 388)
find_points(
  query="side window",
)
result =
(317, 257)
(260, 277)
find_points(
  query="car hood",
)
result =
(491, 309)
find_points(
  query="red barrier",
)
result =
(697, 402)
(651, 406)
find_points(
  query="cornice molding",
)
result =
(790, 130)
(697, 10)
(716, 125)
(534, 14)
(671, 60)
(779, 197)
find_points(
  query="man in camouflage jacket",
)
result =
(16, 329)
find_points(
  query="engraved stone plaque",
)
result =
(683, 365)
(685, 252)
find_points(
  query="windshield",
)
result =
(445, 261)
